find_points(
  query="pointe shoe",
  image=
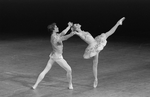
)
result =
(121, 20)
(70, 87)
(95, 83)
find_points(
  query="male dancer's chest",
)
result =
(57, 40)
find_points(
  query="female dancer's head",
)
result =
(76, 27)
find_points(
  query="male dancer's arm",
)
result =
(67, 36)
(67, 29)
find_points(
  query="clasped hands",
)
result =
(75, 28)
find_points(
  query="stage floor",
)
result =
(123, 71)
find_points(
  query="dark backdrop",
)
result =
(29, 18)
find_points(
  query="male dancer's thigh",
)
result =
(63, 64)
(49, 65)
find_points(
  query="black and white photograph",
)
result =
(74, 48)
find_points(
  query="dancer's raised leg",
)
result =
(66, 66)
(95, 66)
(113, 29)
(43, 73)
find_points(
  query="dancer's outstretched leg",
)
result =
(43, 73)
(113, 29)
(95, 65)
(121, 20)
(65, 65)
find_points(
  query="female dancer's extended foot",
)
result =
(121, 20)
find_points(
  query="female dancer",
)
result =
(94, 45)
(56, 54)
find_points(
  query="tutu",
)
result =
(92, 50)
(101, 42)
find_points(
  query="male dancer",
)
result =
(94, 45)
(56, 54)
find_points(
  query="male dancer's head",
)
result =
(53, 27)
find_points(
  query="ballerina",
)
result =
(95, 45)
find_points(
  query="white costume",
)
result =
(55, 56)
(94, 48)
